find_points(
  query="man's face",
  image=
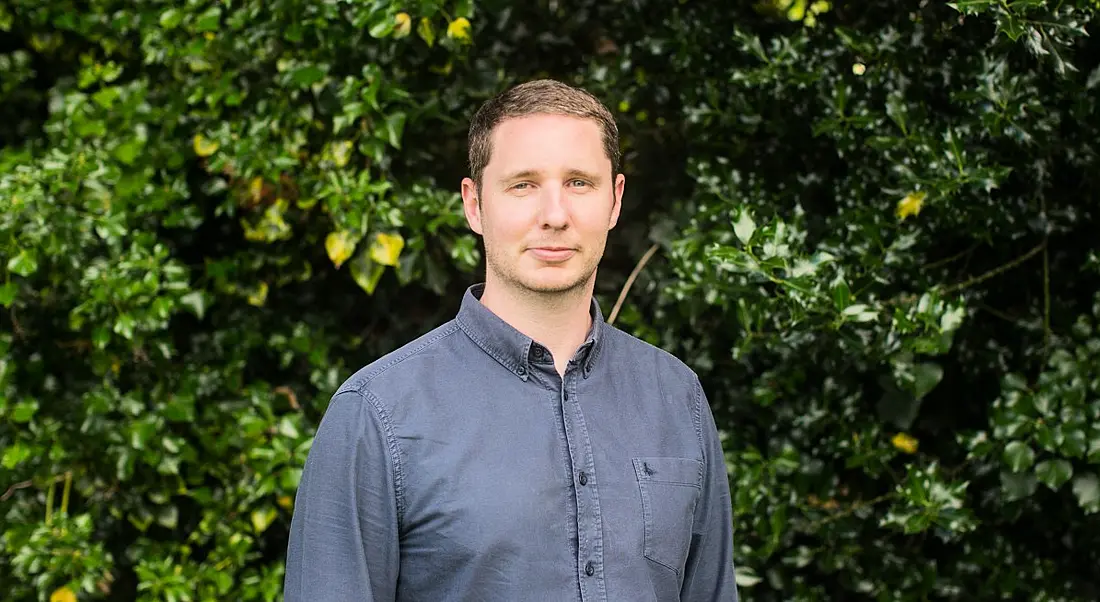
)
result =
(548, 200)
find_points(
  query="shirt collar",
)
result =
(512, 348)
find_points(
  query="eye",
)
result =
(520, 186)
(578, 182)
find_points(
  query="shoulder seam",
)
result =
(445, 332)
(392, 445)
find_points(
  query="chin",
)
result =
(557, 283)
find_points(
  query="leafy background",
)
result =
(870, 227)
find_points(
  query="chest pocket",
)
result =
(670, 490)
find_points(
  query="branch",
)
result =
(997, 270)
(11, 490)
(630, 282)
(851, 510)
(976, 279)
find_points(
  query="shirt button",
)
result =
(583, 479)
(521, 371)
(589, 569)
(537, 352)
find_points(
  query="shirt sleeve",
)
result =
(709, 573)
(344, 531)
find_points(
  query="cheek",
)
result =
(505, 226)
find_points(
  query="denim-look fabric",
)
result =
(463, 467)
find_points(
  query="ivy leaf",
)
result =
(859, 313)
(24, 411)
(1054, 473)
(1087, 489)
(171, 18)
(911, 204)
(124, 326)
(745, 576)
(386, 249)
(7, 293)
(262, 518)
(1075, 442)
(196, 301)
(424, 30)
(339, 246)
(1017, 486)
(306, 76)
(395, 125)
(63, 594)
(202, 146)
(208, 21)
(402, 25)
(459, 29)
(744, 226)
(1019, 456)
(365, 272)
(15, 454)
(24, 264)
(842, 295)
(926, 376)
(382, 25)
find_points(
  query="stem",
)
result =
(49, 503)
(852, 509)
(65, 493)
(630, 282)
(997, 270)
(947, 260)
(1046, 280)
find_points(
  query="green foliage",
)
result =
(875, 248)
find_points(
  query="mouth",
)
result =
(551, 254)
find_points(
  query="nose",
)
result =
(553, 213)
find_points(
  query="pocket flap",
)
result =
(664, 469)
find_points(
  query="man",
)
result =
(525, 450)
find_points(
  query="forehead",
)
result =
(545, 141)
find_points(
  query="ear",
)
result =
(620, 185)
(470, 205)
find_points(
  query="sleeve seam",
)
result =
(392, 446)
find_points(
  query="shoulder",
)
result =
(402, 364)
(627, 348)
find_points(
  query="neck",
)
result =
(558, 321)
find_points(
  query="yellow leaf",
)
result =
(262, 519)
(797, 11)
(272, 225)
(911, 204)
(424, 30)
(63, 594)
(459, 29)
(387, 248)
(259, 297)
(859, 68)
(285, 502)
(256, 189)
(340, 246)
(404, 25)
(204, 147)
(341, 152)
(905, 443)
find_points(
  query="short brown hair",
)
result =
(544, 96)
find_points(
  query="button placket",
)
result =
(588, 519)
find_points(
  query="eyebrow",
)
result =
(532, 173)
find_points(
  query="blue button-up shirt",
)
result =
(463, 467)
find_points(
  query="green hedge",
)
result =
(874, 228)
